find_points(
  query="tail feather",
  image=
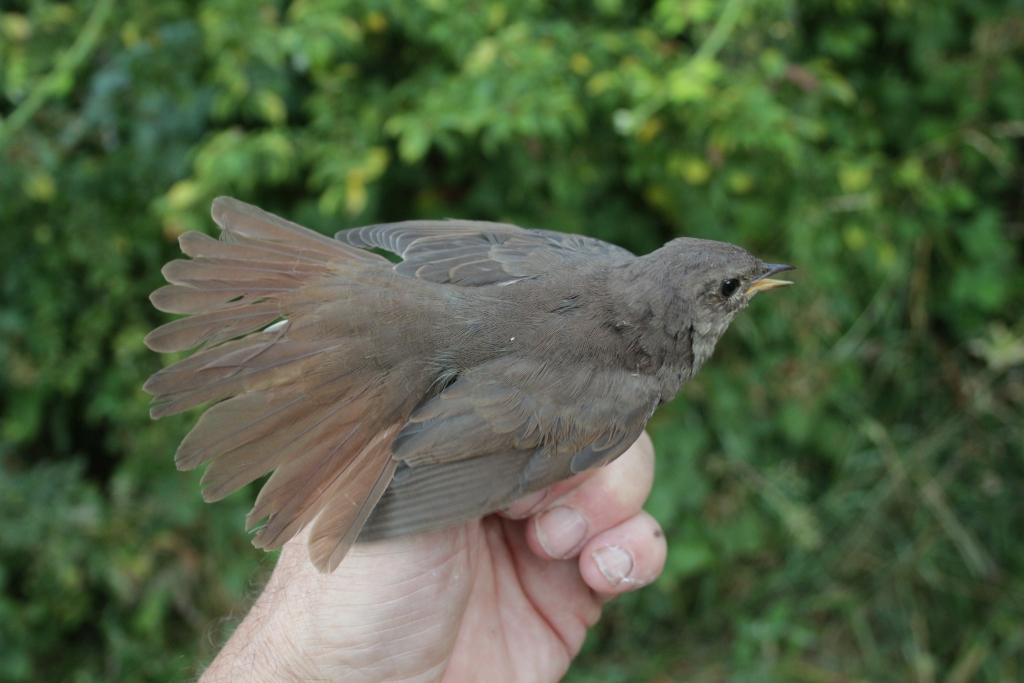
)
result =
(342, 429)
(239, 246)
(249, 434)
(268, 363)
(188, 299)
(338, 525)
(225, 432)
(203, 270)
(174, 385)
(294, 494)
(213, 327)
(243, 222)
(316, 401)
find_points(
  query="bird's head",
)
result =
(713, 282)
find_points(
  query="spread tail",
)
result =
(295, 358)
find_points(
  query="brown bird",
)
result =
(388, 400)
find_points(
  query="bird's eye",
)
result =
(729, 287)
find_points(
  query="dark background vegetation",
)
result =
(841, 486)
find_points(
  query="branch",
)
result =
(65, 67)
(719, 35)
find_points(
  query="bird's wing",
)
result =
(475, 253)
(504, 431)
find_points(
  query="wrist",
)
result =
(270, 643)
(390, 612)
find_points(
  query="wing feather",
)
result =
(504, 430)
(477, 253)
(436, 496)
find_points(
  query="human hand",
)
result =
(506, 598)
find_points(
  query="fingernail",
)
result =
(561, 531)
(614, 562)
(524, 506)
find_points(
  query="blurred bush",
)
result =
(840, 486)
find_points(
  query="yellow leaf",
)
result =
(15, 26)
(580, 64)
(482, 56)
(887, 255)
(650, 129)
(692, 169)
(376, 22)
(183, 194)
(331, 199)
(130, 34)
(40, 186)
(272, 107)
(656, 195)
(496, 15)
(686, 84)
(740, 182)
(911, 173)
(355, 192)
(855, 237)
(854, 177)
(600, 82)
(376, 163)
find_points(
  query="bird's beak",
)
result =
(764, 283)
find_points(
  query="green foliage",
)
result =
(838, 486)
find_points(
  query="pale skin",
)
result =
(505, 599)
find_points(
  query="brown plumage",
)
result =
(389, 399)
